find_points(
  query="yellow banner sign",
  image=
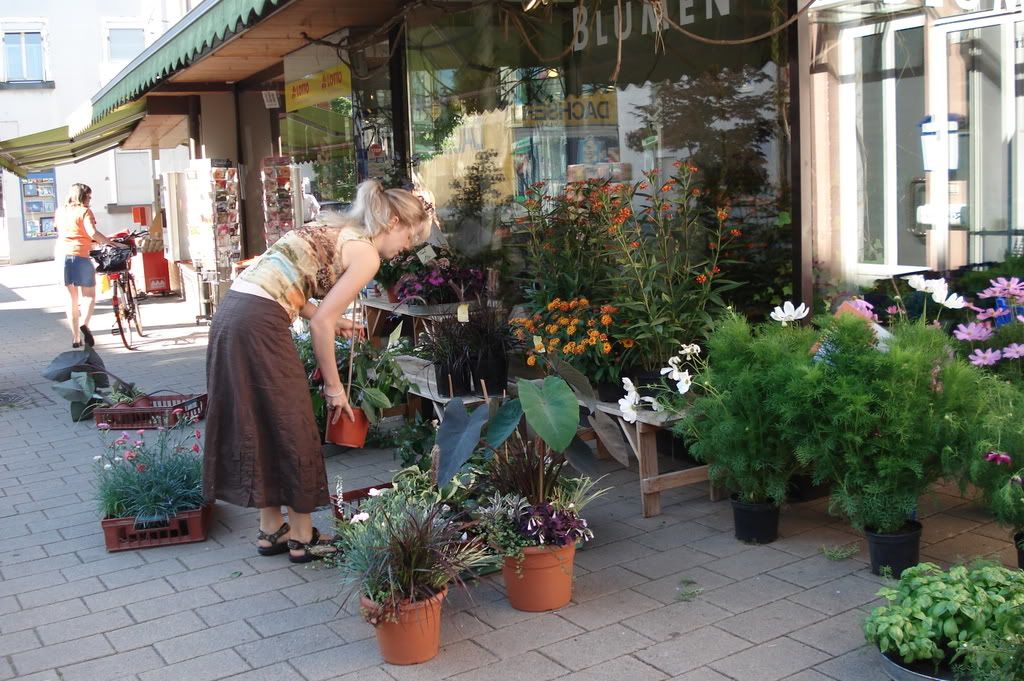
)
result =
(599, 109)
(324, 86)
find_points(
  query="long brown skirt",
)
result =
(262, 444)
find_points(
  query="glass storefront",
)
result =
(916, 116)
(497, 106)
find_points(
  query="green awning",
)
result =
(199, 30)
(42, 150)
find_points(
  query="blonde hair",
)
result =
(77, 194)
(375, 207)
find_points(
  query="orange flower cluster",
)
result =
(574, 328)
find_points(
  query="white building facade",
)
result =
(54, 55)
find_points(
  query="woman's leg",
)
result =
(302, 527)
(72, 312)
(270, 521)
(89, 300)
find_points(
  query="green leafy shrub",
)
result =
(885, 425)
(148, 476)
(943, 616)
(747, 420)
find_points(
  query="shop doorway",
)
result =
(978, 87)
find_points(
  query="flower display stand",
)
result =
(121, 534)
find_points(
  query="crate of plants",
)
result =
(152, 411)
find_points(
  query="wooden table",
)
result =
(423, 385)
(378, 307)
(642, 439)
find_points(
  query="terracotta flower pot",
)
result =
(346, 432)
(416, 636)
(542, 580)
(142, 401)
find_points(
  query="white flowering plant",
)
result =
(743, 420)
(150, 476)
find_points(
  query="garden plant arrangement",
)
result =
(937, 620)
(149, 487)
(399, 553)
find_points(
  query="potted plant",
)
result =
(149, 488)
(400, 552)
(489, 338)
(82, 379)
(935, 620)
(743, 420)
(533, 520)
(884, 425)
(446, 346)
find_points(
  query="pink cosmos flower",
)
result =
(992, 313)
(130, 455)
(1001, 287)
(139, 443)
(1013, 351)
(121, 441)
(973, 332)
(103, 426)
(141, 468)
(892, 309)
(998, 458)
(196, 449)
(985, 358)
(197, 434)
(140, 431)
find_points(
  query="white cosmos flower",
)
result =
(953, 302)
(628, 385)
(97, 457)
(374, 492)
(107, 466)
(787, 313)
(939, 289)
(674, 370)
(359, 518)
(628, 409)
(653, 402)
(917, 282)
(689, 351)
(684, 382)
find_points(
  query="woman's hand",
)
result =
(337, 402)
(346, 328)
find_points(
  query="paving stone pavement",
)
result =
(672, 597)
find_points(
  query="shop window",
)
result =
(23, 56)
(490, 108)
(124, 44)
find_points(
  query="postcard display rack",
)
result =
(281, 196)
(213, 228)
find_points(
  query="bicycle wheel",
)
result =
(137, 313)
(119, 301)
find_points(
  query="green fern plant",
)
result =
(746, 424)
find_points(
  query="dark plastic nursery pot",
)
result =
(896, 550)
(755, 522)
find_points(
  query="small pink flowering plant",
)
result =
(150, 476)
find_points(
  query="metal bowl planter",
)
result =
(898, 672)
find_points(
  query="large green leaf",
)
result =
(551, 410)
(504, 423)
(78, 388)
(457, 438)
(376, 398)
(577, 381)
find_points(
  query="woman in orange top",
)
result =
(76, 230)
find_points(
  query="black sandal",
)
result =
(317, 548)
(87, 336)
(276, 548)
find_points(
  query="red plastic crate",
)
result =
(159, 415)
(120, 534)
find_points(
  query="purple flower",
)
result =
(435, 279)
(992, 313)
(1003, 288)
(985, 358)
(1013, 351)
(998, 458)
(973, 332)
(103, 426)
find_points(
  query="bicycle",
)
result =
(116, 264)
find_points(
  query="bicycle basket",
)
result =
(111, 259)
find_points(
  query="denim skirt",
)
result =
(78, 271)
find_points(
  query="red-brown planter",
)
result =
(346, 432)
(416, 636)
(161, 412)
(542, 580)
(120, 534)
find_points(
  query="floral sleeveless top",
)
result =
(304, 263)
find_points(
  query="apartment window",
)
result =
(23, 56)
(125, 44)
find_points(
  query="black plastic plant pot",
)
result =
(897, 550)
(756, 523)
(452, 381)
(491, 368)
(609, 392)
(1018, 541)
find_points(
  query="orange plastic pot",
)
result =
(346, 432)
(542, 580)
(416, 636)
